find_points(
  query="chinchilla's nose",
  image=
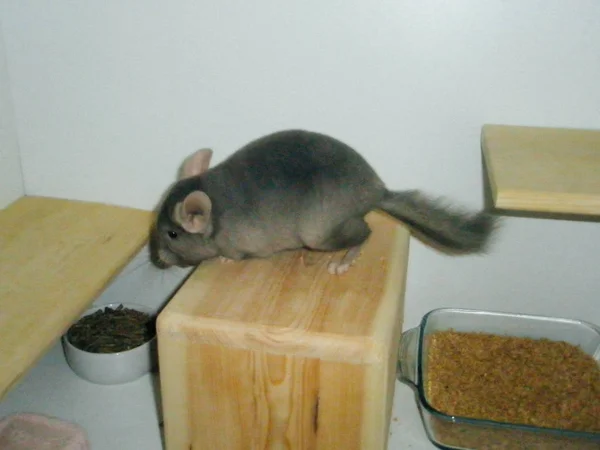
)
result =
(160, 263)
(156, 254)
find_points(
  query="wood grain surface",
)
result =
(56, 256)
(549, 170)
(279, 354)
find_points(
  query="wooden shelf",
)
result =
(57, 256)
(550, 170)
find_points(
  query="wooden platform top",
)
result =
(291, 304)
(56, 256)
(550, 170)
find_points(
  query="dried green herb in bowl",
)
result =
(112, 330)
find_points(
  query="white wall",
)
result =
(11, 179)
(110, 96)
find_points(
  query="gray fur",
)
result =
(295, 189)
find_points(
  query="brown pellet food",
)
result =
(112, 330)
(477, 437)
(516, 380)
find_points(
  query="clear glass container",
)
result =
(452, 432)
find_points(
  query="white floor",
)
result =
(127, 417)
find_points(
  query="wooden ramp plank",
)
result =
(56, 257)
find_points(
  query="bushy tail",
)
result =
(445, 226)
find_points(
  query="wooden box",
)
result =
(279, 354)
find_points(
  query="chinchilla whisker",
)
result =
(136, 267)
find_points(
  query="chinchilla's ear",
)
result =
(195, 164)
(193, 213)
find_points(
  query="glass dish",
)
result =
(459, 433)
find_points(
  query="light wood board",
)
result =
(278, 353)
(549, 170)
(56, 256)
(290, 304)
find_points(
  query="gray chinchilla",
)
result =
(295, 189)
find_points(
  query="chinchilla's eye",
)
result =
(172, 234)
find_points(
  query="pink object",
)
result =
(37, 432)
